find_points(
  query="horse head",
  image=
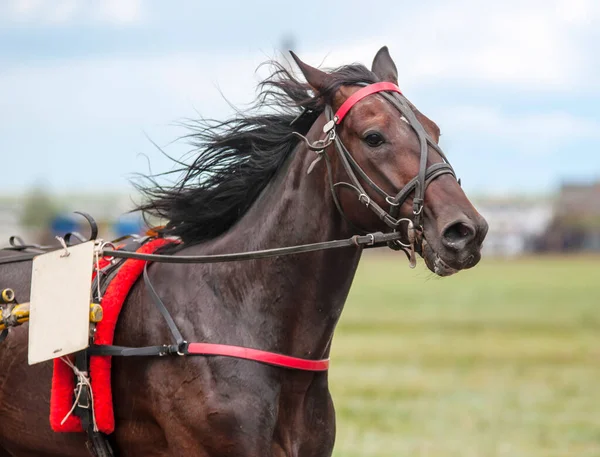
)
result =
(389, 172)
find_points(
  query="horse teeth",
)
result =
(441, 268)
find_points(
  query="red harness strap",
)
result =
(270, 358)
(362, 93)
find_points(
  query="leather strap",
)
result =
(124, 351)
(360, 94)
(209, 349)
(270, 358)
(179, 341)
(181, 347)
(355, 241)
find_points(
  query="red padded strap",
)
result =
(362, 93)
(270, 358)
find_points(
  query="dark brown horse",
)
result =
(249, 189)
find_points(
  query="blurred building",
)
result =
(514, 224)
(575, 225)
(569, 221)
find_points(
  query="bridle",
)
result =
(418, 184)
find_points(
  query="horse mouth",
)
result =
(434, 262)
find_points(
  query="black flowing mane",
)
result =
(238, 157)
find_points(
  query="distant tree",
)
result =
(38, 208)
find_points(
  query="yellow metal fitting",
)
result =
(21, 311)
(7, 296)
(96, 312)
(18, 315)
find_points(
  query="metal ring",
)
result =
(367, 199)
(404, 219)
(8, 295)
(416, 213)
(103, 244)
(387, 199)
(372, 239)
(182, 343)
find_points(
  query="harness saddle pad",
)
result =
(63, 379)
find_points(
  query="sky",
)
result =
(86, 87)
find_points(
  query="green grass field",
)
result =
(501, 360)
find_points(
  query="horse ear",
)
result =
(317, 79)
(384, 67)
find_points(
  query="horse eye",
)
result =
(373, 139)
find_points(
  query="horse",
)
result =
(284, 173)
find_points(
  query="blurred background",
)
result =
(501, 360)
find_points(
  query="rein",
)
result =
(369, 239)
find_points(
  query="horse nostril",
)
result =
(458, 235)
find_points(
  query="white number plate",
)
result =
(60, 302)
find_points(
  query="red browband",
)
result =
(270, 358)
(362, 93)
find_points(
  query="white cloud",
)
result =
(530, 49)
(119, 11)
(63, 11)
(535, 45)
(539, 45)
(23, 8)
(55, 12)
(578, 12)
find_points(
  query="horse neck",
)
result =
(297, 298)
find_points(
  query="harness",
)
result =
(356, 174)
(418, 184)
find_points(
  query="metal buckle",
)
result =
(86, 406)
(364, 198)
(85, 394)
(391, 203)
